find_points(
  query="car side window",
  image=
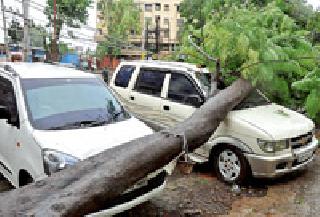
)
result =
(150, 81)
(123, 76)
(8, 100)
(182, 90)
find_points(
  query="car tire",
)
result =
(230, 165)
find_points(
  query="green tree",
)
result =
(268, 47)
(38, 35)
(120, 18)
(72, 13)
(15, 32)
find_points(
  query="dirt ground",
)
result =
(201, 194)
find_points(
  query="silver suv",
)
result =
(257, 138)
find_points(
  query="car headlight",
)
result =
(55, 161)
(273, 146)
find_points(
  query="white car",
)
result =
(257, 138)
(52, 117)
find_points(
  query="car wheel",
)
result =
(231, 166)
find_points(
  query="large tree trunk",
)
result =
(86, 187)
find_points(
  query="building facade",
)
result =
(161, 26)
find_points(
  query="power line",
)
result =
(33, 6)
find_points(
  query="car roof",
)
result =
(42, 70)
(167, 64)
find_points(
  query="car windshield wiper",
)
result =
(80, 124)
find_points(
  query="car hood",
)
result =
(276, 121)
(83, 143)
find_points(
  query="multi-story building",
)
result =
(161, 26)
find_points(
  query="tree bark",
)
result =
(86, 187)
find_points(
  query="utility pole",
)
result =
(146, 46)
(54, 55)
(26, 39)
(157, 35)
(5, 32)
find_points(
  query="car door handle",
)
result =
(166, 108)
(132, 97)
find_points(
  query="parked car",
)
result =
(257, 138)
(52, 117)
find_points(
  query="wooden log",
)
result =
(86, 187)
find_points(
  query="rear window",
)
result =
(150, 82)
(123, 76)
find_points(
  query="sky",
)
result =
(39, 18)
(315, 3)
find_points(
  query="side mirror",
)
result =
(4, 113)
(194, 100)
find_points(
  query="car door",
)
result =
(9, 129)
(146, 94)
(182, 98)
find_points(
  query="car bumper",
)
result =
(274, 166)
(139, 193)
(128, 205)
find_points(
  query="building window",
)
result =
(158, 7)
(100, 5)
(148, 7)
(158, 18)
(180, 22)
(165, 47)
(148, 20)
(132, 32)
(178, 8)
(166, 22)
(166, 7)
(166, 33)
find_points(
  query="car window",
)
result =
(123, 76)
(180, 88)
(8, 99)
(150, 81)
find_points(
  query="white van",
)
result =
(257, 138)
(52, 117)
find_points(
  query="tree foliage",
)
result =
(15, 32)
(37, 34)
(72, 13)
(120, 17)
(270, 48)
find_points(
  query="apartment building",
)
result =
(161, 26)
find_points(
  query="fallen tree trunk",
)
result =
(86, 187)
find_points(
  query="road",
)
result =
(201, 194)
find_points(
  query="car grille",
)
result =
(301, 141)
(151, 184)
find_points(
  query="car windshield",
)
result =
(255, 98)
(59, 104)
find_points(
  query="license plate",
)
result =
(304, 156)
